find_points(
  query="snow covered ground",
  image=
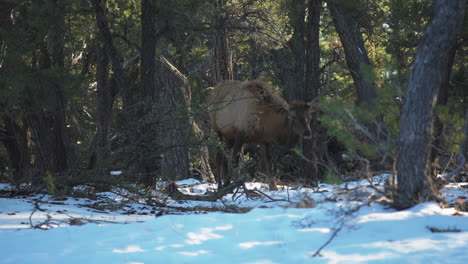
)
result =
(329, 224)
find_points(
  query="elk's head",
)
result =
(300, 116)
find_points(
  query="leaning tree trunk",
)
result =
(357, 59)
(431, 61)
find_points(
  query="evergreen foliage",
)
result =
(49, 65)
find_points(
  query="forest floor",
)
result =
(328, 224)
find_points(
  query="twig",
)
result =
(335, 233)
(36, 207)
(343, 221)
(269, 197)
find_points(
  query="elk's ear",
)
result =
(314, 105)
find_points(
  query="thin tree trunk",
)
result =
(464, 145)
(104, 104)
(148, 48)
(14, 139)
(56, 46)
(442, 100)
(431, 61)
(357, 59)
(119, 74)
(313, 149)
(312, 75)
(290, 59)
(220, 51)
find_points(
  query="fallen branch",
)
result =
(461, 164)
(175, 194)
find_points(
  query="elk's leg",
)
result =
(237, 156)
(220, 167)
(265, 148)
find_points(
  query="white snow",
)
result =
(272, 232)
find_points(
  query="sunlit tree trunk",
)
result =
(431, 61)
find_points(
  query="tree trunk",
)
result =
(207, 173)
(14, 139)
(148, 48)
(104, 107)
(442, 100)
(173, 129)
(431, 61)
(357, 59)
(313, 149)
(119, 74)
(312, 75)
(220, 51)
(290, 60)
(464, 145)
(56, 47)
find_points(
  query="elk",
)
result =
(251, 113)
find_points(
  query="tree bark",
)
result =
(207, 173)
(290, 60)
(313, 149)
(442, 100)
(104, 107)
(312, 60)
(56, 47)
(148, 48)
(119, 74)
(431, 61)
(220, 51)
(357, 59)
(14, 139)
(173, 129)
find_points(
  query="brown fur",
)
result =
(251, 112)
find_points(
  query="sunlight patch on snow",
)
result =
(223, 228)
(334, 257)
(252, 244)
(395, 216)
(321, 230)
(188, 182)
(129, 249)
(161, 248)
(294, 216)
(176, 245)
(205, 234)
(263, 261)
(422, 244)
(179, 226)
(194, 253)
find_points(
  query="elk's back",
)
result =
(232, 108)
